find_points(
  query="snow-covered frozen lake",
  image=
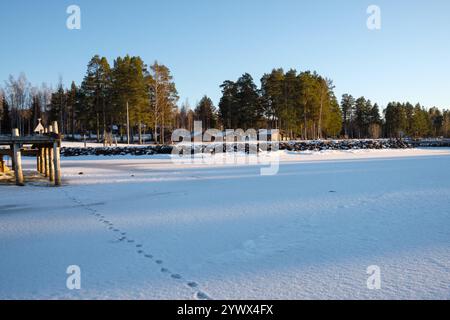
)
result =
(144, 228)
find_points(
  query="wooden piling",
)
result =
(2, 166)
(45, 168)
(13, 164)
(56, 157)
(41, 160)
(17, 160)
(38, 162)
(51, 174)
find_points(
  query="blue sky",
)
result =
(205, 42)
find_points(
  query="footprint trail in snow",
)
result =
(198, 294)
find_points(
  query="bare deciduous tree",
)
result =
(18, 95)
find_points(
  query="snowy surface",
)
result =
(146, 228)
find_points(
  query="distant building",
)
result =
(39, 128)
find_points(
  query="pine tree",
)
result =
(348, 107)
(6, 126)
(362, 117)
(182, 116)
(333, 125)
(375, 122)
(228, 105)
(206, 113)
(446, 123)
(248, 103)
(240, 106)
(309, 103)
(396, 120)
(72, 104)
(163, 97)
(57, 110)
(273, 97)
(325, 91)
(96, 88)
(289, 100)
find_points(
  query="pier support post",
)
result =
(2, 166)
(38, 161)
(17, 160)
(41, 160)
(46, 167)
(13, 165)
(51, 175)
(56, 157)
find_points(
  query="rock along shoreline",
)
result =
(318, 145)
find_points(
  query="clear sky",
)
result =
(205, 42)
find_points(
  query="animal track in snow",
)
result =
(200, 295)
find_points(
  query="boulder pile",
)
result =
(321, 145)
(318, 145)
(115, 151)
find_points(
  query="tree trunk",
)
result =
(162, 129)
(140, 133)
(305, 124)
(319, 127)
(98, 129)
(104, 120)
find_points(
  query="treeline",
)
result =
(302, 105)
(111, 97)
(404, 119)
(130, 99)
(362, 120)
(108, 99)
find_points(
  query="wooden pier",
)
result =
(45, 147)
